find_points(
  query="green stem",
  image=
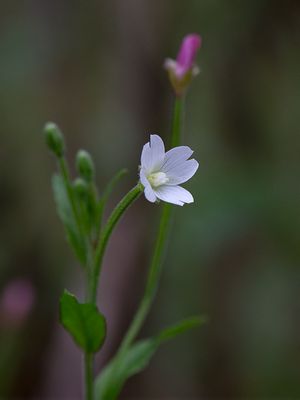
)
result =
(66, 177)
(177, 122)
(88, 372)
(115, 216)
(159, 249)
(152, 280)
(89, 357)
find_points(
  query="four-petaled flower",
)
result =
(162, 172)
(183, 69)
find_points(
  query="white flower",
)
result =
(161, 172)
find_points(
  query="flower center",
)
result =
(157, 179)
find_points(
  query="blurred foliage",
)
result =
(95, 68)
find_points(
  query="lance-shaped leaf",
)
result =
(66, 215)
(136, 358)
(84, 322)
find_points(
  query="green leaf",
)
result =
(181, 327)
(66, 215)
(109, 384)
(136, 358)
(84, 322)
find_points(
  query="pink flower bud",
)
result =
(16, 301)
(184, 69)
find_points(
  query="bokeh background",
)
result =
(95, 68)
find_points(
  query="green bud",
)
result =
(54, 139)
(85, 165)
(81, 188)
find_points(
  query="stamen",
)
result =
(157, 179)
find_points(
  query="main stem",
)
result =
(89, 357)
(159, 249)
(88, 373)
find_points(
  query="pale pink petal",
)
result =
(174, 194)
(188, 51)
(149, 193)
(175, 157)
(182, 172)
(153, 154)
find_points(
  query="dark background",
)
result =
(95, 68)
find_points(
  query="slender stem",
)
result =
(89, 357)
(115, 216)
(177, 122)
(88, 373)
(152, 280)
(159, 249)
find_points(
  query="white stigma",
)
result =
(157, 179)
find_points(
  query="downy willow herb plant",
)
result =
(80, 207)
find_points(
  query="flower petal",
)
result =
(182, 172)
(188, 51)
(174, 194)
(153, 154)
(175, 156)
(149, 193)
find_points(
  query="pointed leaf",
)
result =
(66, 215)
(111, 381)
(84, 322)
(181, 327)
(109, 384)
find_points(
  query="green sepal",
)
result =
(66, 215)
(83, 321)
(133, 360)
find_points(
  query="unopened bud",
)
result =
(85, 165)
(54, 139)
(183, 69)
(80, 187)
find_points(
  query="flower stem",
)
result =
(88, 373)
(152, 280)
(177, 122)
(159, 249)
(115, 216)
(89, 357)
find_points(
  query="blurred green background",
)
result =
(95, 68)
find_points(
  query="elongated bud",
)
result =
(54, 139)
(81, 188)
(85, 165)
(183, 69)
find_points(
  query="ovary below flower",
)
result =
(162, 172)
